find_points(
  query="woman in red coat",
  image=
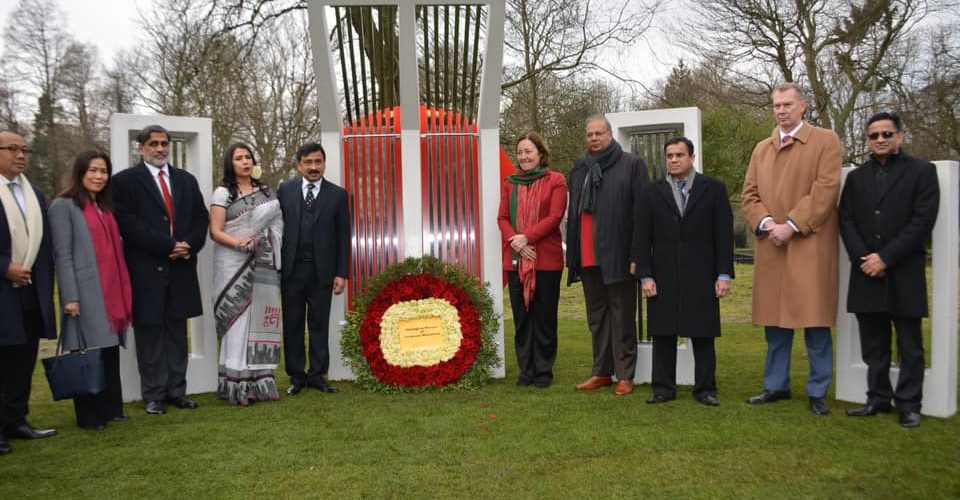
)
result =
(532, 204)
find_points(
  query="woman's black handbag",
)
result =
(76, 373)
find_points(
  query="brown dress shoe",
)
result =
(624, 387)
(594, 382)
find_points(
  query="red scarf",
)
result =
(527, 216)
(114, 278)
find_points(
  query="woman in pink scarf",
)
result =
(532, 204)
(93, 282)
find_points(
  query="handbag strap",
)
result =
(81, 342)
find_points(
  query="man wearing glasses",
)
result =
(790, 201)
(26, 289)
(887, 211)
(163, 220)
(315, 256)
(603, 248)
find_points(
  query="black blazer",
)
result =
(11, 327)
(142, 218)
(684, 255)
(896, 223)
(330, 233)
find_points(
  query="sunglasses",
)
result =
(876, 135)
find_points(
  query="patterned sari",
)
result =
(247, 303)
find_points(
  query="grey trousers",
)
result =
(611, 316)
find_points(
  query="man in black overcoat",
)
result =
(163, 220)
(887, 211)
(315, 260)
(605, 186)
(26, 288)
(685, 266)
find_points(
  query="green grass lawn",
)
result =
(501, 441)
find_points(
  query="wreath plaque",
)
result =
(421, 324)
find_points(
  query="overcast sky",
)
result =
(112, 25)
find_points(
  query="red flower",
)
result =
(415, 287)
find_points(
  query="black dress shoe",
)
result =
(708, 400)
(818, 406)
(4, 446)
(542, 384)
(910, 419)
(294, 389)
(324, 387)
(156, 408)
(183, 403)
(768, 397)
(659, 399)
(869, 410)
(119, 418)
(27, 431)
(524, 382)
(95, 427)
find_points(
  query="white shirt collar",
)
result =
(792, 133)
(5, 181)
(154, 170)
(303, 187)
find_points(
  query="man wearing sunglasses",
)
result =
(887, 211)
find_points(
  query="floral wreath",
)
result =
(464, 352)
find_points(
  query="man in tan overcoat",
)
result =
(790, 200)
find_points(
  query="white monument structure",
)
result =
(420, 159)
(190, 149)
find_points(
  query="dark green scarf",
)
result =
(525, 179)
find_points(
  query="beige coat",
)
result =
(795, 286)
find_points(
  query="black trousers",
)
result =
(17, 362)
(306, 300)
(536, 329)
(664, 377)
(162, 359)
(875, 338)
(612, 318)
(100, 408)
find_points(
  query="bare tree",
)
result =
(845, 52)
(547, 38)
(36, 45)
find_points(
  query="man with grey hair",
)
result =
(603, 249)
(790, 200)
(163, 220)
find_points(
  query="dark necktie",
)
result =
(310, 199)
(683, 194)
(167, 200)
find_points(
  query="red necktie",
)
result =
(167, 200)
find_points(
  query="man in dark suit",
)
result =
(686, 264)
(602, 250)
(26, 290)
(315, 257)
(163, 220)
(887, 211)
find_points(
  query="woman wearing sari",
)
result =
(532, 203)
(94, 285)
(246, 223)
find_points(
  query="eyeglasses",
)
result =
(311, 162)
(876, 135)
(17, 149)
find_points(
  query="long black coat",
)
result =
(685, 255)
(11, 326)
(330, 229)
(617, 205)
(142, 219)
(896, 223)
